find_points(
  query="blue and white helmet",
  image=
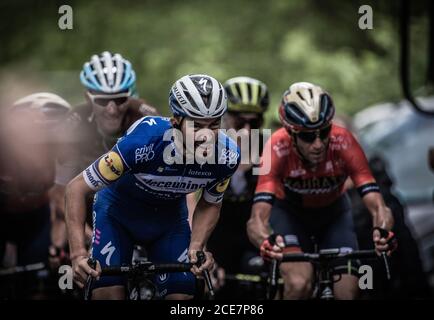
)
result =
(198, 96)
(108, 73)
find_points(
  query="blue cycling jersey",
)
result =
(139, 166)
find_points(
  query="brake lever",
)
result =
(386, 264)
(87, 291)
(384, 234)
(272, 289)
(200, 260)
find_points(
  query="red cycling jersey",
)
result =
(289, 178)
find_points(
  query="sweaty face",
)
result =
(195, 130)
(314, 152)
(109, 111)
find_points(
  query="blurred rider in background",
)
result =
(93, 128)
(30, 147)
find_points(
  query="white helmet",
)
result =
(198, 96)
(53, 107)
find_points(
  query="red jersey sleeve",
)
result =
(355, 161)
(273, 161)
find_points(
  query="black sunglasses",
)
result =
(310, 136)
(104, 102)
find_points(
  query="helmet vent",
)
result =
(237, 86)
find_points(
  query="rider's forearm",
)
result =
(57, 201)
(75, 216)
(258, 228)
(381, 215)
(57, 213)
(205, 218)
(58, 232)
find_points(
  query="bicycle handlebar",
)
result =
(148, 268)
(322, 257)
(22, 269)
(332, 254)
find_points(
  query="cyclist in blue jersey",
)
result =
(141, 185)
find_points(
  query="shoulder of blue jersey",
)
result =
(147, 129)
(149, 125)
(225, 141)
(229, 151)
(143, 140)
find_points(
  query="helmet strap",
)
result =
(175, 124)
(178, 125)
(294, 141)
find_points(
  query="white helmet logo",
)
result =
(203, 82)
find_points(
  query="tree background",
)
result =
(277, 41)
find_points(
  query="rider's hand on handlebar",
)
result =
(82, 270)
(56, 257)
(208, 264)
(385, 241)
(271, 248)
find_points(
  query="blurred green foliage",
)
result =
(277, 41)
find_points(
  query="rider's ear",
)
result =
(176, 122)
(86, 96)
